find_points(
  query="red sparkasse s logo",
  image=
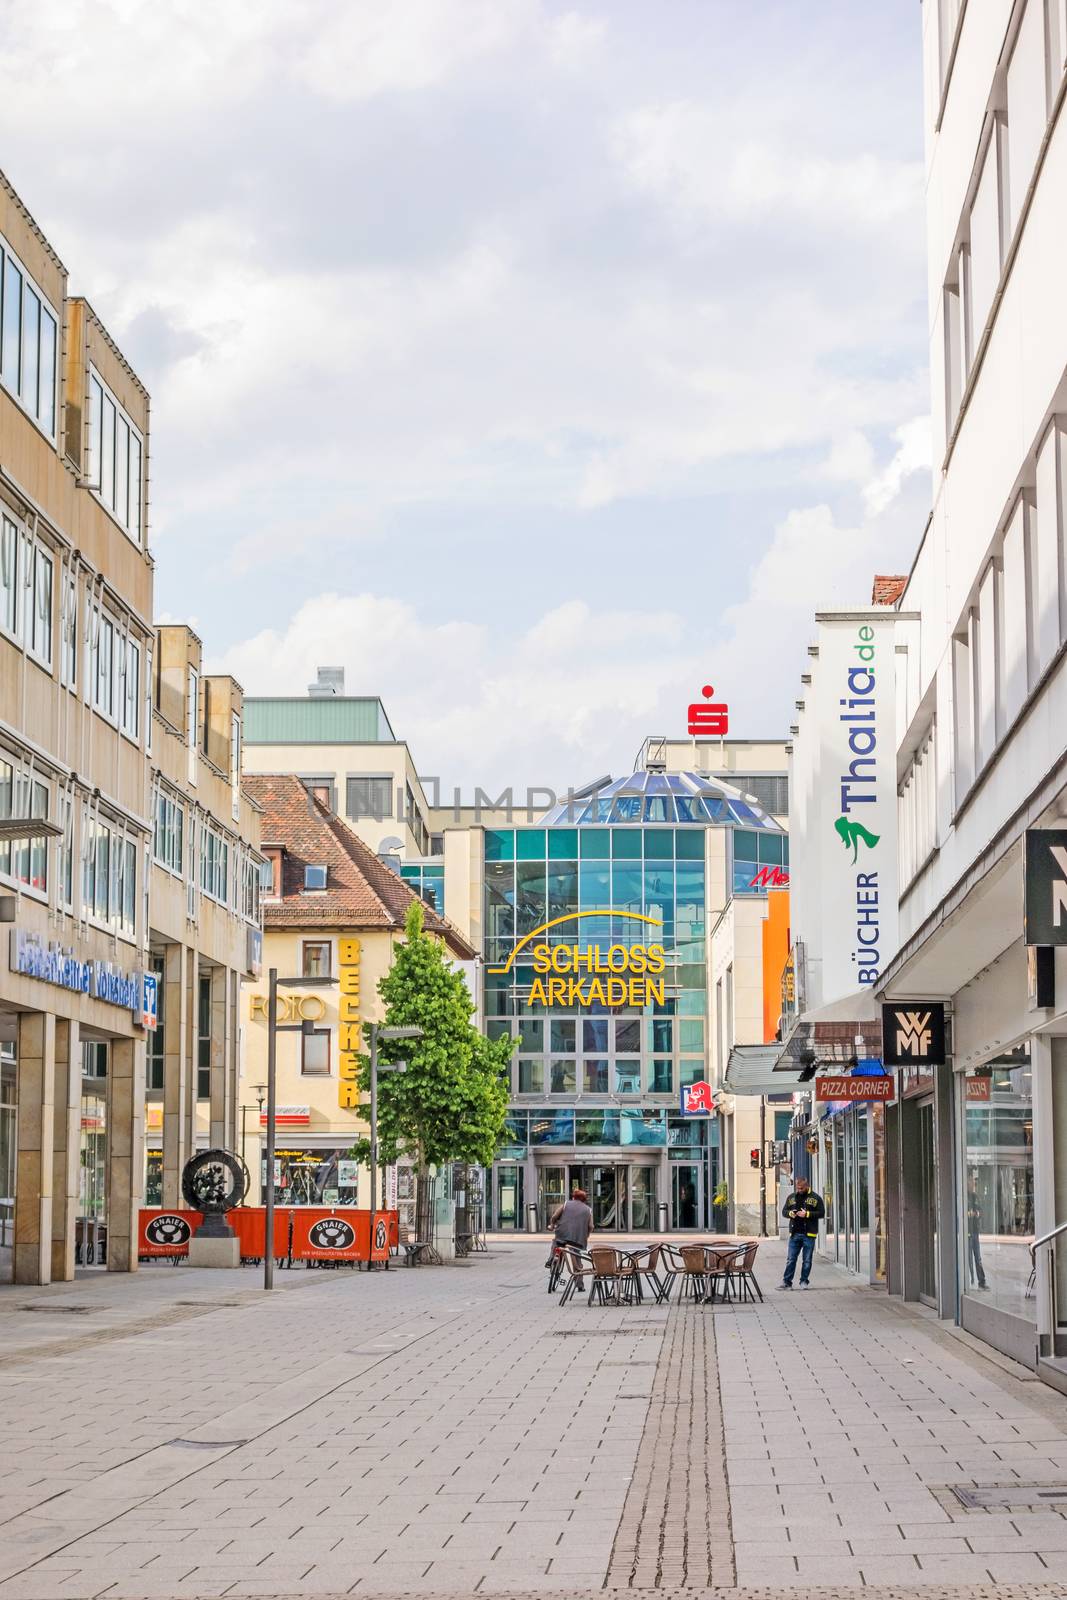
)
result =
(710, 721)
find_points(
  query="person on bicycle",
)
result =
(573, 1223)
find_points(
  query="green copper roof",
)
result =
(338, 719)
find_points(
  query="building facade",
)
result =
(332, 911)
(114, 778)
(203, 903)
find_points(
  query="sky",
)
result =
(538, 363)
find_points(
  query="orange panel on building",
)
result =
(775, 955)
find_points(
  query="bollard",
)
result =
(661, 1215)
(531, 1218)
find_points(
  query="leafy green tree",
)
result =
(450, 1103)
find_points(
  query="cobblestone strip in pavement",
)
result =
(675, 1525)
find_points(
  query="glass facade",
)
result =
(997, 1222)
(428, 881)
(760, 861)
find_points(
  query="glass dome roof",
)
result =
(677, 797)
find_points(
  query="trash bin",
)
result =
(531, 1218)
(661, 1216)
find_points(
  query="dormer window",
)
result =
(315, 877)
(270, 874)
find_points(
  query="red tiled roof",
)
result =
(361, 891)
(887, 591)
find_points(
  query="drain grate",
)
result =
(74, 1311)
(209, 1444)
(604, 1333)
(1053, 1495)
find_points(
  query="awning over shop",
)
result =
(838, 1032)
(753, 1069)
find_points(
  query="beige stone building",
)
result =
(204, 934)
(107, 733)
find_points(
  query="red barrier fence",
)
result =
(301, 1233)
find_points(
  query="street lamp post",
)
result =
(378, 1032)
(274, 1027)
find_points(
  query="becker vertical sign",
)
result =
(1045, 871)
(913, 1034)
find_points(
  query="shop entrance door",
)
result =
(687, 1197)
(621, 1196)
(927, 1176)
(508, 1198)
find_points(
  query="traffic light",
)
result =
(754, 1157)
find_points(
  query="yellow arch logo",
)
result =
(573, 916)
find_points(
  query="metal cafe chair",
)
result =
(576, 1268)
(741, 1271)
(614, 1278)
(694, 1272)
(648, 1264)
(718, 1266)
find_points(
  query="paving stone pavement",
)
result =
(430, 1432)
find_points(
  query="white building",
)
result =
(974, 1167)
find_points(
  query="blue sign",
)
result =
(49, 962)
(149, 1000)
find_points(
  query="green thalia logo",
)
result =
(851, 834)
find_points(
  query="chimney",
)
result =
(329, 681)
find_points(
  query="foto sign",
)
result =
(863, 1088)
(697, 1099)
(1045, 891)
(913, 1034)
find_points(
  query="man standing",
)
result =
(805, 1211)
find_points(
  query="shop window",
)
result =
(564, 1079)
(595, 1078)
(531, 1076)
(203, 1037)
(315, 961)
(94, 1058)
(997, 1223)
(315, 1053)
(155, 1065)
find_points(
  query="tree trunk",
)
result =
(424, 1211)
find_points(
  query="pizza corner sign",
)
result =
(861, 1088)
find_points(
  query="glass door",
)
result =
(927, 1204)
(551, 1192)
(509, 1198)
(687, 1200)
(643, 1198)
(863, 1195)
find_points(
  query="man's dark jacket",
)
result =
(812, 1204)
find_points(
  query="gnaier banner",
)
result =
(858, 800)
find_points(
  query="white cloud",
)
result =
(912, 455)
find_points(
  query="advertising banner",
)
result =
(166, 1233)
(321, 1233)
(379, 1239)
(856, 780)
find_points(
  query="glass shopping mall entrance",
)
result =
(622, 1195)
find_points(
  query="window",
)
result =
(235, 765)
(94, 1058)
(9, 568)
(203, 1036)
(68, 632)
(986, 242)
(1027, 107)
(115, 455)
(155, 1066)
(984, 656)
(917, 811)
(192, 713)
(1048, 551)
(169, 827)
(271, 874)
(316, 958)
(214, 864)
(370, 798)
(66, 852)
(24, 860)
(963, 709)
(103, 663)
(28, 344)
(128, 696)
(109, 876)
(315, 1052)
(948, 15)
(40, 633)
(315, 877)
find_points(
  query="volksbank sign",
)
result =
(51, 963)
(858, 793)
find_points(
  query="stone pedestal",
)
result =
(220, 1251)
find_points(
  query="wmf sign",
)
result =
(913, 1034)
(1045, 874)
